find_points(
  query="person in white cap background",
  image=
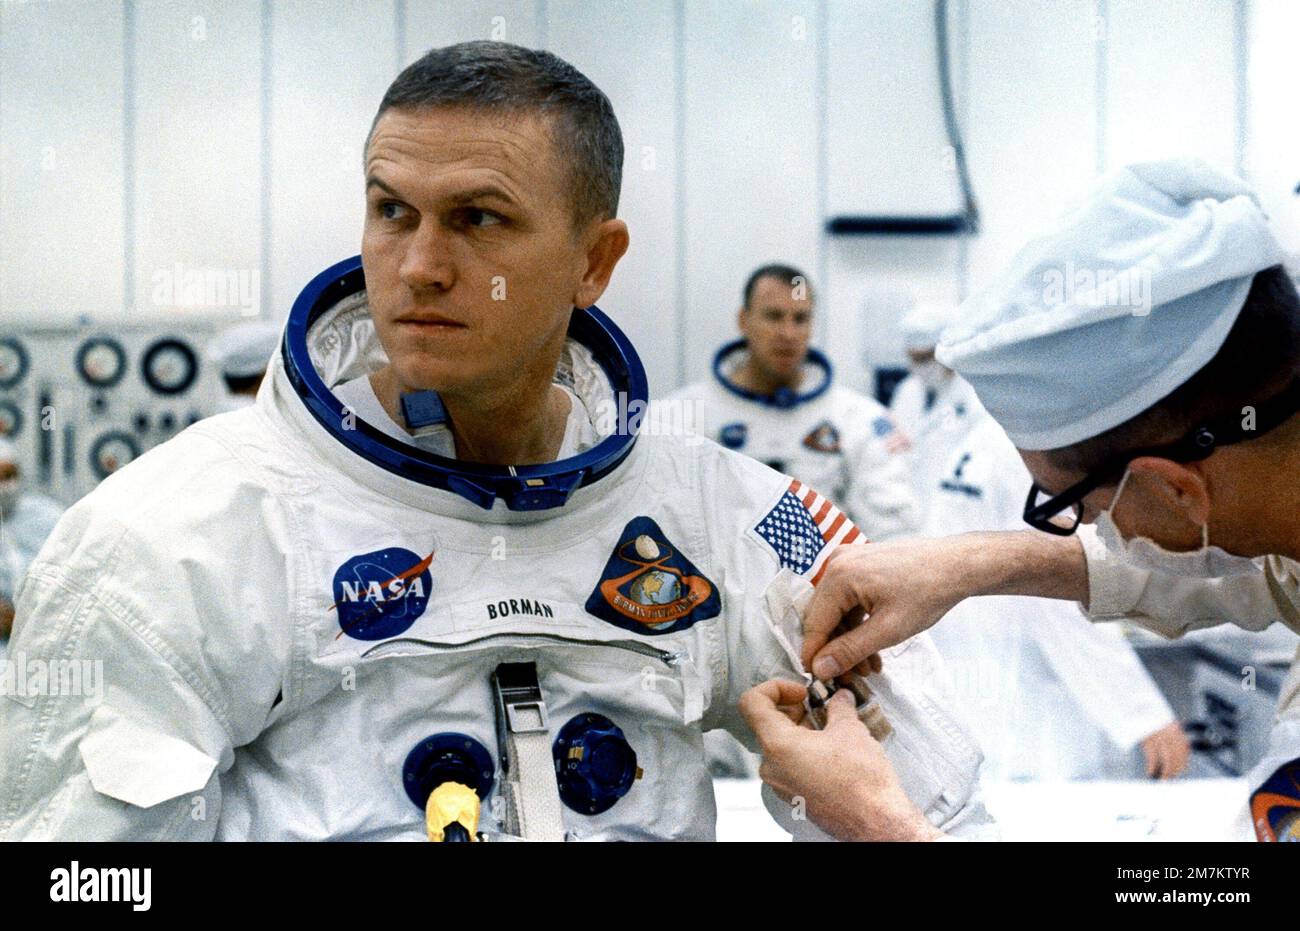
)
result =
(26, 520)
(932, 405)
(1142, 356)
(242, 354)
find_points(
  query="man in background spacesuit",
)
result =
(771, 397)
(316, 613)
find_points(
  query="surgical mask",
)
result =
(1208, 562)
(10, 490)
(930, 374)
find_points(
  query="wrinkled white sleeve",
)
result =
(878, 491)
(765, 597)
(1171, 605)
(175, 674)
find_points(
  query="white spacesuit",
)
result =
(305, 624)
(1049, 694)
(829, 437)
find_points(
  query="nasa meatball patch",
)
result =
(381, 594)
(649, 586)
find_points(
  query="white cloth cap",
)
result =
(1121, 302)
(922, 325)
(245, 349)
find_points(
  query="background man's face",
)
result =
(470, 257)
(778, 327)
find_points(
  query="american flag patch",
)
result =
(804, 528)
(896, 440)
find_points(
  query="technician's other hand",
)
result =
(842, 774)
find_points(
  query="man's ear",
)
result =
(1182, 485)
(742, 321)
(607, 246)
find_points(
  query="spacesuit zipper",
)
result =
(631, 646)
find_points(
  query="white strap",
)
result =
(534, 811)
(536, 798)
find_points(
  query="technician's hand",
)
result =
(842, 774)
(905, 586)
(1167, 752)
(901, 585)
(6, 617)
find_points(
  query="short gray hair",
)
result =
(498, 76)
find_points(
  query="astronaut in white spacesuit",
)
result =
(310, 615)
(772, 397)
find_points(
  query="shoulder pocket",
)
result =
(139, 765)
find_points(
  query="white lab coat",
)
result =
(933, 430)
(1172, 606)
(841, 443)
(212, 577)
(1049, 695)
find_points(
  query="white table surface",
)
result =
(1182, 810)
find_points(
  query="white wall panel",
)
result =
(61, 159)
(1170, 81)
(198, 143)
(750, 154)
(430, 23)
(626, 47)
(1032, 125)
(1273, 149)
(875, 119)
(324, 95)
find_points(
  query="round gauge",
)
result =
(112, 451)
(13, 362)
(170, 366)
(11, 419)
(101, 362)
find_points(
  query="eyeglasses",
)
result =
(1060, 514)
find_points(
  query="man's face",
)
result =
(777, 325)
(471, 260)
